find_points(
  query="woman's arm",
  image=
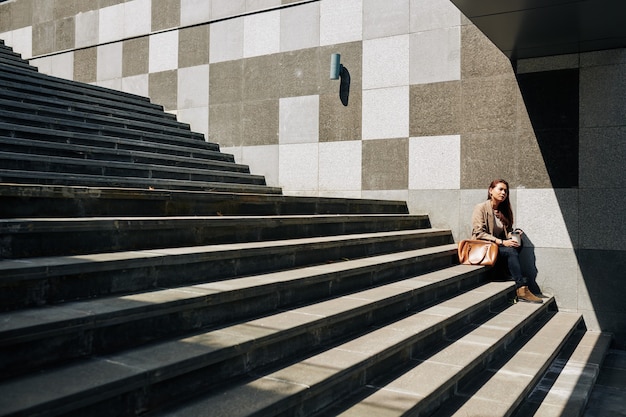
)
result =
(480, 228)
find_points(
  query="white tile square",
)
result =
(137, 84)
(341, 21)
(137, 18)
(298, 167)
(111, 23)
(114, 84)
(262, 160)
(22, 41)
(227, 8)
(194, 11)
(300, 27)
(385, 18)
(193, 87)
(109, 61)
(385, 113)
(299, 119)
(62, 65)
(254, 5)
(386, 62)
(433, 14)
(44, 65)
(340, 166)
(542, 216)
(197, 117)
(261, 34)
(435, 163)
(86, 28)
(435, 56)
(226, 40)
(163, 51)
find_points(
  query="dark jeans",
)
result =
(510, 258)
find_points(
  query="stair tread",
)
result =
(505, 387)
(72, 316)
(83, 150)
(46, 177)
(156, 362)
(143, 167)
(26, 268)
(433, 374)
(567, 386)
(315, 371)
(133, 368)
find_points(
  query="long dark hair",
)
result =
(505, 206)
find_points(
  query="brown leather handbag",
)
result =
(477, 252)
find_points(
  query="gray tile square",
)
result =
(300, 72)
(338, 122)
(435, 109)
(225, 82)
(135, 56)
(479, 56)
(385, 164)
(485, 157)
(261, 77)
(163, 87)
(489, 104)
(165, 14)
(43, 38)
(260, 122)
(64, 34)
(225, 121)
(193, 46)
(85, 65)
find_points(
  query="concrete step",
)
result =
(32, 200)
(69, 179)
(27, 238)
(16, 121)
(37, 281)
(128, 172)
(566, 386)
(15, 76)
(36, 114)
(58, 149)
(155, 375)
(315, 382)
(161, 145)
(503, 386)
(430, 378)
(38, 100)
(37, 337)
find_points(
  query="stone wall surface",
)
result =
(435, 112)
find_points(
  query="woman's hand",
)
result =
(510, 243)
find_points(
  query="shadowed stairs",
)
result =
(144, 272)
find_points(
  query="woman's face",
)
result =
(499, 192)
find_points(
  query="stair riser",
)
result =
(97, 127)
(113, 334)
(19, 201)
(91, 153)
(25, 241)
(201, 150)
(78, 282)
(183, 381)
(123, 171)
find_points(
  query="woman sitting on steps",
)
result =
(492, 220)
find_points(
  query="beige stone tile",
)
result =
(261, 77)
(225, 121)
(165, 14)
(85, 65)
(135, 57)
(479, 56)
(300, 72)
(338, 122)
(43, 38)
(385, 164)
(163, 88)
(435, 109)
(193, 46)
(225, 82)
(260, 122)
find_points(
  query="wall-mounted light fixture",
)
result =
(339, 71)
(335, 66)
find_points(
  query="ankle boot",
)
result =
(524, 294)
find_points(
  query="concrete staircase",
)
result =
(144, 272)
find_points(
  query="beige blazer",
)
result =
(483, 223)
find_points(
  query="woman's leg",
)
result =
(511, 256)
